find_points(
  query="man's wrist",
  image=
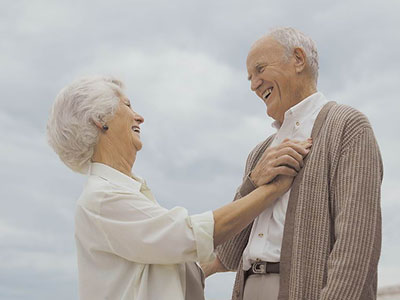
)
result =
(247, 186)
(252, 179)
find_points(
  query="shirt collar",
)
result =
(110, 174)
(303, 109)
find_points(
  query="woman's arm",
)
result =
(140, 230)
(257, 200)
(230, 219)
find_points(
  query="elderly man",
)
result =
(322, 239)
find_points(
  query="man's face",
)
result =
(272, 77)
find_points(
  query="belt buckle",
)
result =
(259, 268)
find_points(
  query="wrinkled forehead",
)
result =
(264, 50)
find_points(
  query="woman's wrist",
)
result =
(269, 190)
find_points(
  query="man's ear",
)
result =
(300, 60)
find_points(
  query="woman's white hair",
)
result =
(291, 38)
(71, 131)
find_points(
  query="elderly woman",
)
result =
(128, 246)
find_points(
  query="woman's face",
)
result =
(125, 127)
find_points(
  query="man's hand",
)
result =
(284, 159)
(213, 267)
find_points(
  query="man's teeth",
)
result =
(267, 93)
(135, 129)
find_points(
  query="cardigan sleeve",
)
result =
(230, 252)
(352, 263)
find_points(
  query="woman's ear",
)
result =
(100, 126)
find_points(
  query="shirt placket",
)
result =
(261, 242)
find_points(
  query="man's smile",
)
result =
(267, 93)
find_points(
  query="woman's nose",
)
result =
(139, 118)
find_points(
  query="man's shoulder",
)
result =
(347, 116)
(344, 124)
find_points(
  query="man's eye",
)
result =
(261, 69)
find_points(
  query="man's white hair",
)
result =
(291, 38)
(71, 131)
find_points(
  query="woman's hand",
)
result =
(283, 183)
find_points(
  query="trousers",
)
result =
(261, 287)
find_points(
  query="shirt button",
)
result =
(261, 235)
(297, 124)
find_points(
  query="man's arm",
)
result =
(352, 264)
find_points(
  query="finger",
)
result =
(267, 152)
(283, 170)
(303, 150)
(306, 144)
(293, 153)
(289, 161)
(287, 142)
(296, 141)
(290, 143)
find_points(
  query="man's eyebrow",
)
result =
(256, 66)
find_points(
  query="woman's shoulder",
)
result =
(99, 191)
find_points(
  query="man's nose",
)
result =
(255, 84)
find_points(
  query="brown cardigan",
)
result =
(332, 236)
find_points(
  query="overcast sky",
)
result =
(183, 64)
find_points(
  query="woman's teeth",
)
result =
(267, 93)
(136, 129)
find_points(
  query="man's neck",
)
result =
(303, 94)
(300, 96)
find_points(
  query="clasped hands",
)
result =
(280, 164)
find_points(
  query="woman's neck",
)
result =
(114, 159)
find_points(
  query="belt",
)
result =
(263, 267)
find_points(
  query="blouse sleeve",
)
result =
(140, 230)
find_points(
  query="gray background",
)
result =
(183, 63)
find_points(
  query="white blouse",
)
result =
(128, 246)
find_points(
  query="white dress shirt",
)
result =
(128, 246)
(266, 234)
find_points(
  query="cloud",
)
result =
(183, 64)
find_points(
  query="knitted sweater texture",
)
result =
(332, 235)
